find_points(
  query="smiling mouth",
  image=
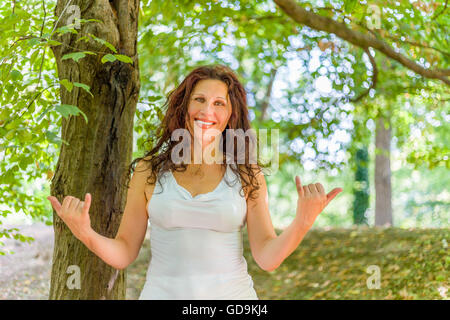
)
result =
(204, 124)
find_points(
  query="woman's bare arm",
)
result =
(124, 248)
(135, 218)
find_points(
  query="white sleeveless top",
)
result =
(197, 243)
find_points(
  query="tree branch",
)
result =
(442, 11)
(364, 41)
(417, 44)
(374, 77)
(265, 103)
(375, 34)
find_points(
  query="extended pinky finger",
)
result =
(298, 184)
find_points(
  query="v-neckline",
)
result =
(200, 194)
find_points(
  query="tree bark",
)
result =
(383, 205)
(97, 154)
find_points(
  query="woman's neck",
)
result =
(205, 156)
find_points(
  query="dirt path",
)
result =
(25, 275)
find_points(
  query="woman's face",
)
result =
(209, 110)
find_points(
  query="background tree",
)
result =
(361, 189)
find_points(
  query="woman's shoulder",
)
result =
(255, 169)
(145, 170)
(144, 165)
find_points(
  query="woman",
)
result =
(197, 209)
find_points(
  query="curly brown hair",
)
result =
(158, 159)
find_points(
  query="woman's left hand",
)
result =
(311, 201)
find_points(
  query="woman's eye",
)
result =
(202, 100)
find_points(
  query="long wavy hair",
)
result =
(158, 159)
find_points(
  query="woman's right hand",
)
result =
(75, 214)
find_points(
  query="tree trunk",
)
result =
(96, 157)
(383, 205)
(361, 189)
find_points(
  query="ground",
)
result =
(25, 275)
(328, 264)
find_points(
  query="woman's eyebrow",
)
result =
(204, 94)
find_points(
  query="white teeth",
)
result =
(203, 122)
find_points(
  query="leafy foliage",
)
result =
(30, 108)
(256, 39)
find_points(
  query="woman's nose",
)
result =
(208, 106)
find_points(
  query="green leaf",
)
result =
(104, 42)
(53, 42)
(34, 41)
(83, 38)
(67, 84)
(34, 56)
(123, 58)
(74, 55)
(66, 110)
(84, 86)
(52, 137)
(349, 5)
(66, 29)
(26, 135)
(154, 98)
(25, 162)
(108, 57)
(440, 278)
(16, 75)
(5, 212)
(10, 135)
